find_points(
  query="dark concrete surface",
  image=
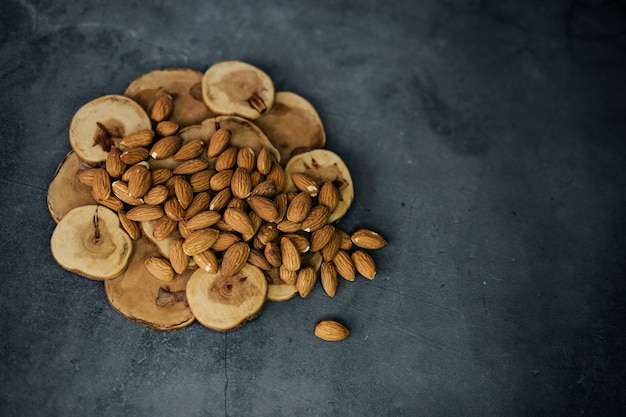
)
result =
(487, 142)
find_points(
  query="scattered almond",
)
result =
(367, 239)
(364, 263)
(159, 268)
(331, 331)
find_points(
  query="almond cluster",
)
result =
(224, 205)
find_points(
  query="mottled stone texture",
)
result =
(486, 140)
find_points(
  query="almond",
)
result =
(144, 213)
(130, 171)
(114, 166)
(364, 263)
(227, 159)
(165, 147)
(207, 261)
(328, 275)
(183, 229)
(199, 204)
(101, 184)
(235, 258)
(263, 207)
(344, 265)
(330, 249)
(156, 195)
(191, 166)
(167, 127)
(183, 191)
(246, 158)
(256, 178)
(159, 268)
(367, 239)
(265, 189)
(218, 142)
(288, 226)
(301, 243)
(86, 176)
(162, 108)
(328, 196)
(224, 241)
(134, 155)
(281, 206)
(199, 241)
(130, 226)
(277, 174)
(120, 190)
(164, 227)
(139, 181)
(331, 331)
(140, 138)
(201, 180)
(239, 221)
(204, 219)
(306, 281)
(112, 202)
(289, 254)
(305, 183)
(287, 276)
(345, 242)
(221, 180)
(178, 258)
(321, 237)
(160, 176)
(240, 184)
(190, 150)
(265, 161)
(221, 199)
(272, 254)
(316, 219)
(300, 207)
(268, 232)
(257, 259)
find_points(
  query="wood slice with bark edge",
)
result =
(143, 298)
(90, 241)
(185, 86)
(224, 303)
(243, 134)
(323, 165)
(237, 88)
(292, 124)
(101, 124)
(65, 192)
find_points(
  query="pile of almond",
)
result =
(200, 196)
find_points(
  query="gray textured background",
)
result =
(487, 142)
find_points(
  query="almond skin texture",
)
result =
(156, 195)
(160, 176)
(190, 150)
(164, 227)
(191, 166)
(328, 196)
(227, 159)
(277, 174)
(140, 138)
(306, 281)
(287, 276)
(265, 189)
(206, 260)
(235, 258)
(246, 158)
(162, 108)
(101, 185)
(239, 221)
(305, 184)
(159, 268)
(139, 182)
(221, 199)
(321, 237)
(364, 263)
(134, 155)
(240, 183)
(345, 267)
(289, 254)
(299, 208)
(178, 258)
(368, 239)
(331, 331)
(221, 180)
(272, 254)
(265, 161)
(328, 275)
(114, 165)
(218, 142)
(165, 147)
(257, 259)
(316, 219)
(224, 241)
(130, 226)
(166, 128)
(263, 207)
(145, 212)
(199, 241)
(199, 204)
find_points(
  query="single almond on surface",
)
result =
(86, 176)
(114, 166)
(183, 190)
(167, 127)
(178, 258)
(134, 155)
(190, 150)
(112, 202)
(173, 209)
(160, 176)
(246, 158)
(235, 258)
(199, 204)
(130, 226)
(289, 254)
(240, 184)
(191, 166)
(321, 237)
(204, 219)
(300, 241)
(331, 331)
(299, 208)
(345, 242)
(165, 147)
(306, 281)
(368, 239)
(277, 174)
(221, 199)
(287, 276)
(218, 142)
(265, 161)
(139, 181)
(227, 159)
(224, 241)
(164, 227)
(364, 263)
(159, 268)
(328, 196)
(288, 226)
(162, 108)
(265, 189)
(257, 259)
(207, 261)
(263, 207)
(221, 180)
(239, 221)
(156, 195)
(201, 180)
(305, 183)
(101, 184)
(316, 219)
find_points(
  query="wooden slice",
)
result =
(65, 191)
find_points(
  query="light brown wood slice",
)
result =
(65, 192)
(102, 123)
(185, 86)
(89, 241)
(224, 303)
(143, 298)
(323, 165)
(292, 125)
(237, 88)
